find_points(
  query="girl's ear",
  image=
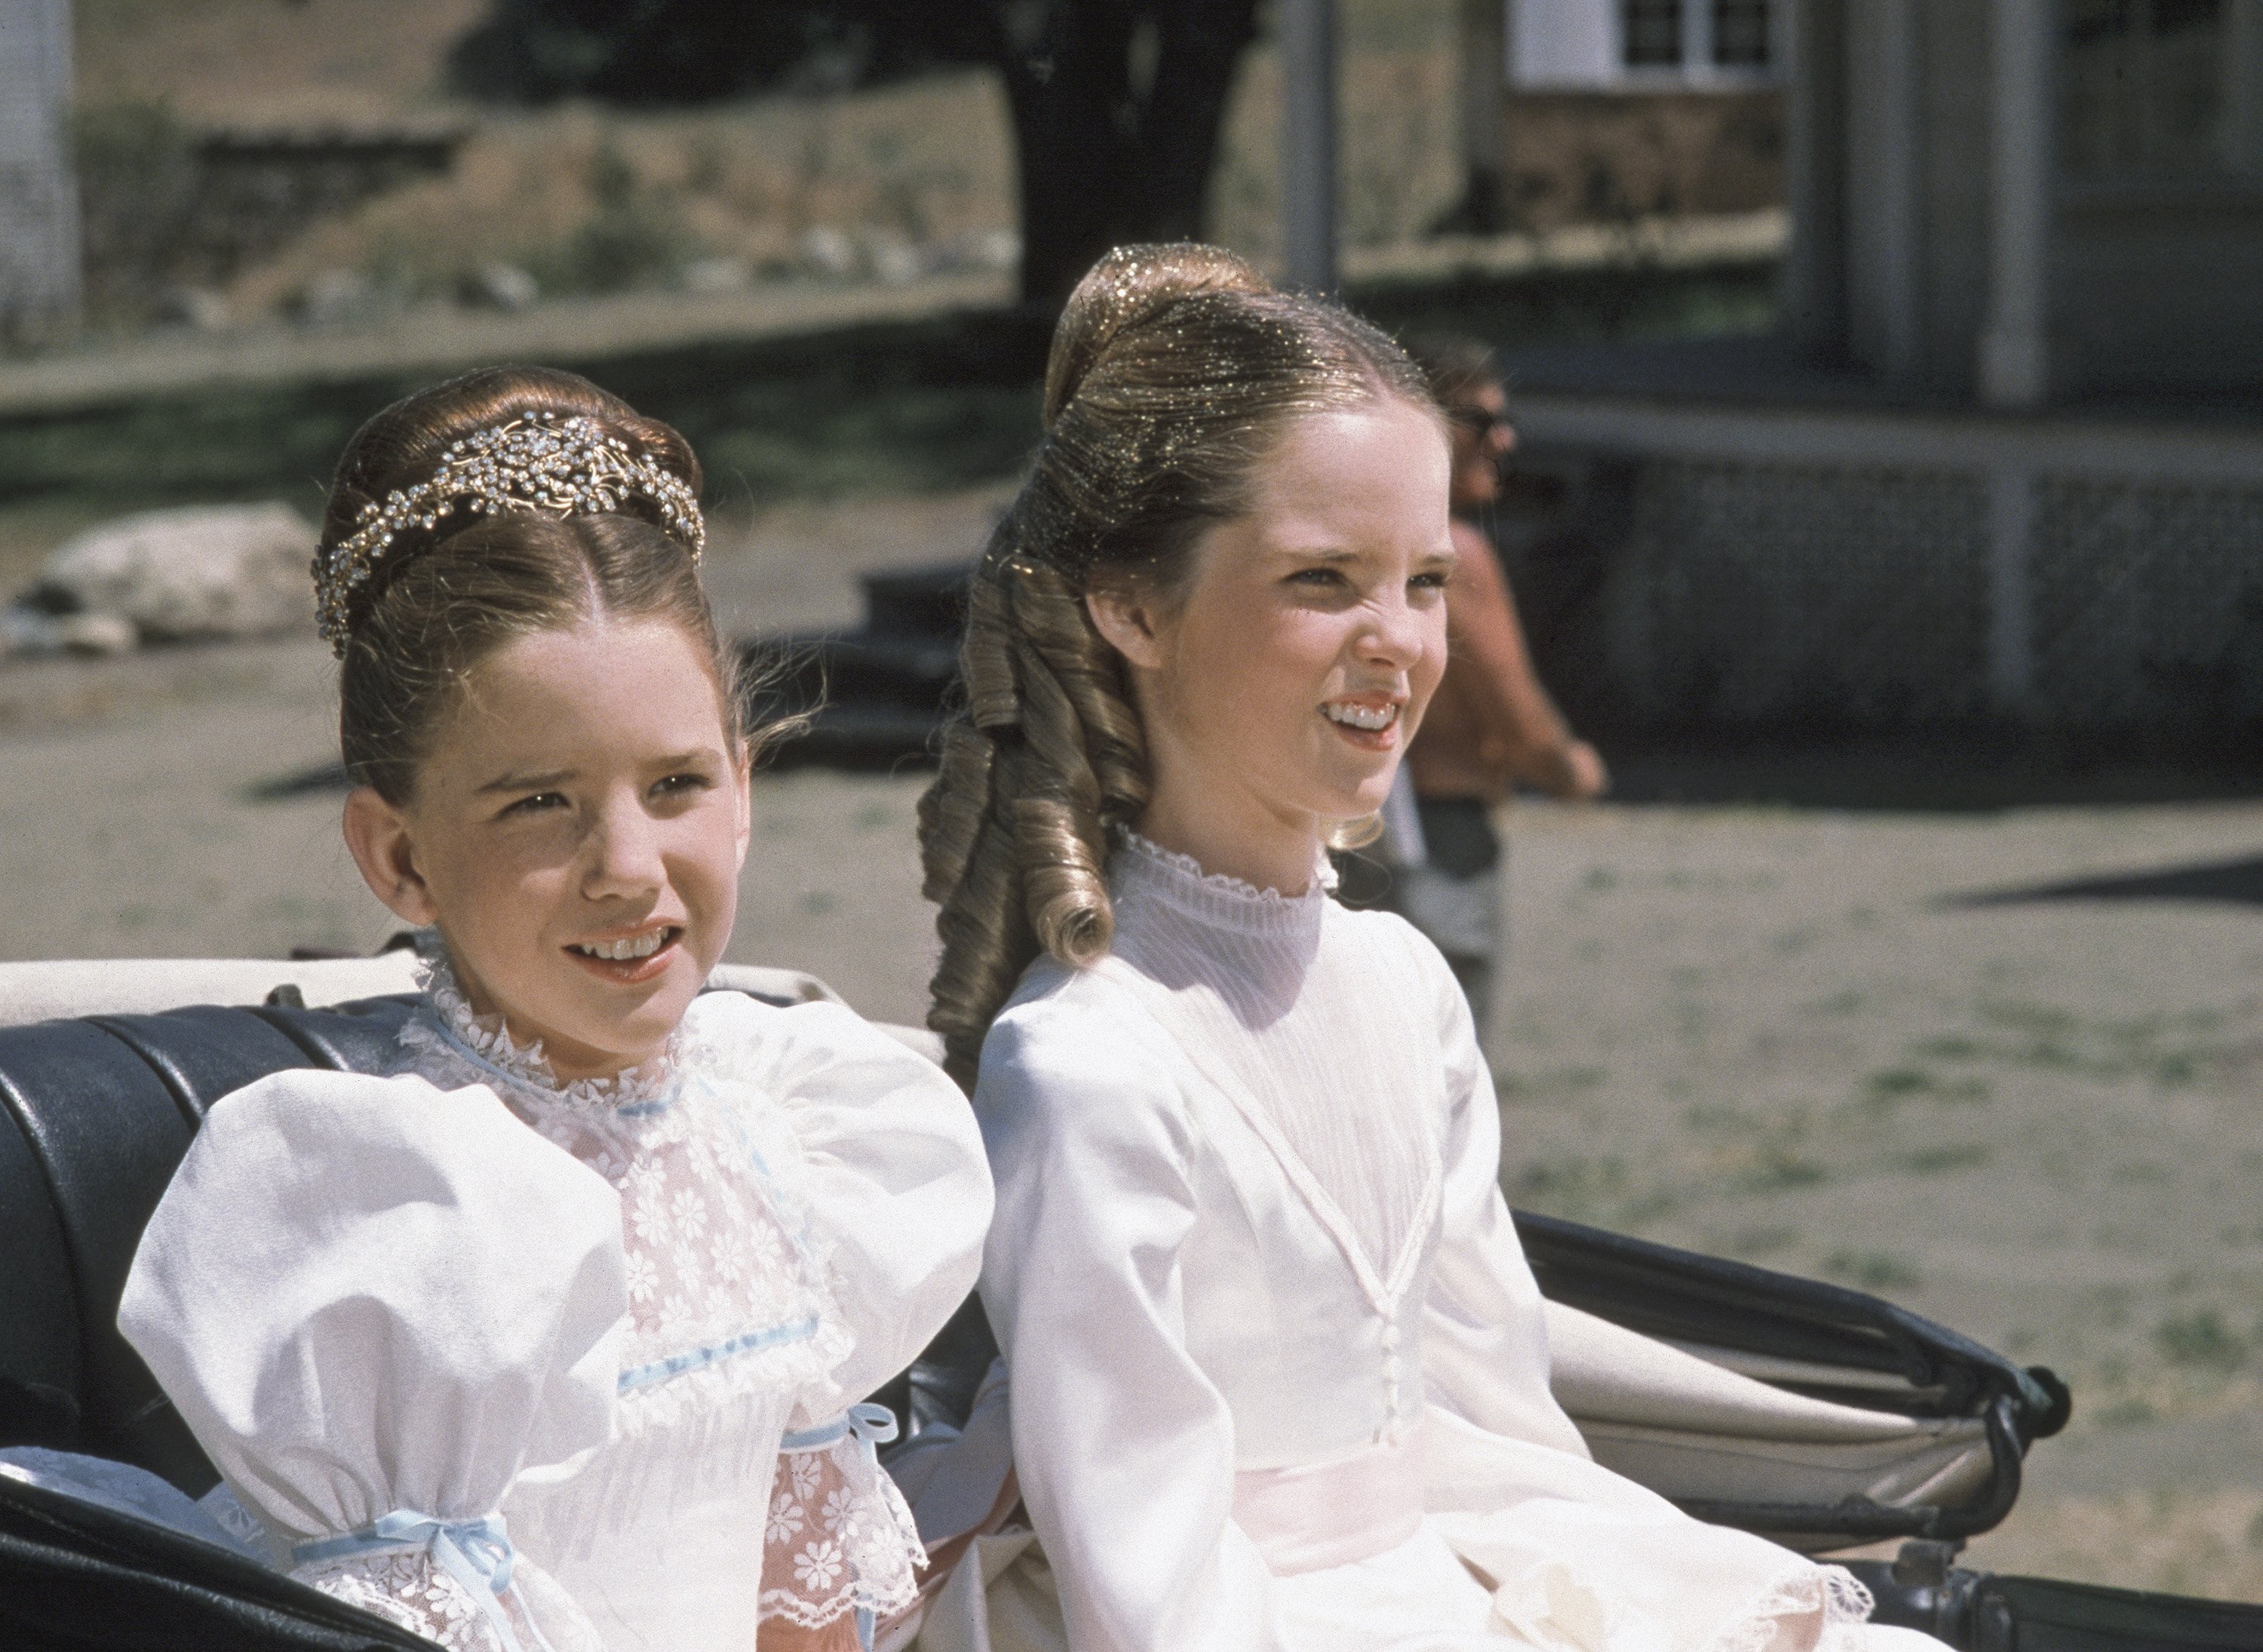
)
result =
(1128, 619)
(378, 837)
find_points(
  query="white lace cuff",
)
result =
(838, 1538)
(409, 1590)
(458, 1585)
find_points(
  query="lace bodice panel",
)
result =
(724, 1272)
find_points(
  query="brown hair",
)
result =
(442, 598)
(1174, 371)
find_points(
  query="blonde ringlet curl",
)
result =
(1174, 371)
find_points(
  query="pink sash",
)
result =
(1317, 1515)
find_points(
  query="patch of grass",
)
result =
(1941, 1161)
(1893, 1083)
(2166, 1051)
(2127, 1412)
(1891, 1086)
(1570, 1184)
(1561, 1080)
(1761, 1242)
(1872, 1270)
(885, 409)
(938, 402)
(1777, 1169)
(2200, 1340)
(1598, 1189)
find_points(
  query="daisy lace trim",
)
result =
(410, 1592)
(838, 1540)
(1830, 1598)
(1175, 873)
(487, 1043)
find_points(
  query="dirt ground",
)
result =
(1796, 1035)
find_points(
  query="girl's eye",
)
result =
(1429, 581)
(681, 784)
(1317, 577)
(537, 803)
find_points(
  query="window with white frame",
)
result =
(1625, 45)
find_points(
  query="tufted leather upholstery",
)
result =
(98, 1114)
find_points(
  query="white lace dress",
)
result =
(1279, 1375)
(517, 1364)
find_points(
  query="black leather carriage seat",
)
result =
(98, 1114)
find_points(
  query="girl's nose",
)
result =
(625, 852)
(1398, 633)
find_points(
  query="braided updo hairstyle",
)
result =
(1175, 370)
(442, 597)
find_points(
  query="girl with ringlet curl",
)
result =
(1277, 1373)
(553, 1333)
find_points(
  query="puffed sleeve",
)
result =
(376, 1305)
(1124, 1449)
(892, 1191)
(894, 1180)
(1484, 1343)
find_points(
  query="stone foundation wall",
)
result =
(1581, 157)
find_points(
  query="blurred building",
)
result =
(2003, 467)
(39, 200)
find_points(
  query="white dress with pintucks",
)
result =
(1278, 1373)
(515, 1363)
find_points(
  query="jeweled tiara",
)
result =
(541, 462)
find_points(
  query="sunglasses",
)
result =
(1478, 421)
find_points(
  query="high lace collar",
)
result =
(484, 1042)
(1143, 869)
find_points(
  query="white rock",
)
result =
(717, 275)
(336, 297)
(979, 250)
(199, 571)
(892, 257)
(102, 634)
(503, 287)
(198, 309)
(827, 251)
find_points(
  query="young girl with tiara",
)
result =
(554, 1334)
(1278, 1374)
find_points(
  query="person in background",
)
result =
(1490, 724)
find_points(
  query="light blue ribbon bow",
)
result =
(477, 1553)
(874, 1425)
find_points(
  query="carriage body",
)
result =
(1820, 1416)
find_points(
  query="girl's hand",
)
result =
(778, 1636)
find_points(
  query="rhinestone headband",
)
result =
(543, 462)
